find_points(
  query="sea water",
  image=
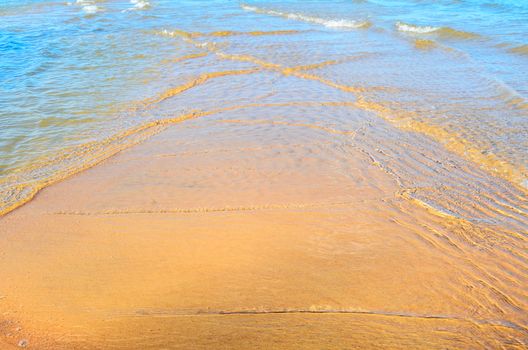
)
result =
(81, 80)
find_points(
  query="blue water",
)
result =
(71, 73)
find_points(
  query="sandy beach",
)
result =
(263, 175)
(224, 239)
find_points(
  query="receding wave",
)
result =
(404, 27)
(445, 32)
(89, 7)
(138, 5)
(330, 23)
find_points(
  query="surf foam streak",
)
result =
(90, 9)
(138, 5)
(88, 6)
(330, 23)
(404, 27)
(445, 32)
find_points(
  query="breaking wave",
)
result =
(445, 32)
(139, 5)
(330, 23)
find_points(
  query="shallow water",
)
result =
(76, 73)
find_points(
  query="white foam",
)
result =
(88, 6)
(90, 9)
(331, 23)
(404, 27)
(140, 4)
(166, 32)
(249, 8)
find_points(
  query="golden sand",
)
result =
(268, 224)
(227, 239)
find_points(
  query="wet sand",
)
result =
(224, 233)
(179, 175)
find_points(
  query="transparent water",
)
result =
(74, 74)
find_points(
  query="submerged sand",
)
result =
(218, 233)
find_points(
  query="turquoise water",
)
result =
(73, 74)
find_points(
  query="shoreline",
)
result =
(165, 231)
(514, 175)
(263, 175)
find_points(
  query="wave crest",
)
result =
(330, 23)
(140, 4)
(404, 27)
(445, 32)
(89, 7)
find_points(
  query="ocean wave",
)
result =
(404, 27)
(445, 32)
(90, 9)
(139, 5)
(330, 23)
